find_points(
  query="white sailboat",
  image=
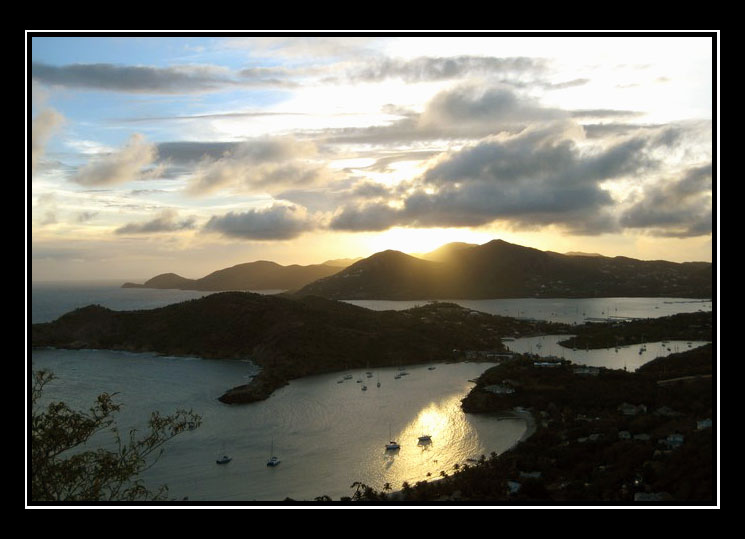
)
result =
(273, 461)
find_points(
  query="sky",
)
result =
(166, 152)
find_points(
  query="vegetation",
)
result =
(499, 269)
(289, 337)
(62, 470)
(685, 326)
(613, 437)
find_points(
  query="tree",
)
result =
(63, 470)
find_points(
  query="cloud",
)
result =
(167, 221)
(425, 69)
(309, 47)
(678, 207)
(538, 178)
(261, 165)
(604, 113)
(277, 222)
(136, 79)
(190, 153)
(125, 165)
(86, 216)
(464, 112)
(42, 128)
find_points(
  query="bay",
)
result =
(327, 434)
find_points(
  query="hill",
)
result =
(260, 275)
(385, 275)
(288, 337)
(446, 252)
(499, 269)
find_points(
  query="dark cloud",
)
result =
(278, 222)
(681, 207)
(370, 217)
(540, 177)
(167, 221)
(426, 69)
(192, 152)
(137, 79)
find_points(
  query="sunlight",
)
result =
(422, 240)
(433, 421)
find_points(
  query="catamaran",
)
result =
(392, 444)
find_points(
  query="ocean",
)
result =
(327, 432)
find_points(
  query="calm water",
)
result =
(568, 311)
(327, 434)
(623, 357)
(49, 301)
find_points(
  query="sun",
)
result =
(423, 240)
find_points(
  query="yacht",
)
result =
(273, 461)
(392, 444)
(224, 459)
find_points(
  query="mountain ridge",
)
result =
(258, 275)
(499, 269)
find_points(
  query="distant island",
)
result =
(259, 275)
(503, 270)
(496, 269)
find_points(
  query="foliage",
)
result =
(63, 470)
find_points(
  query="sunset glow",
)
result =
(167, 153)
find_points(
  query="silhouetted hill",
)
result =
(260, 275)
(384, 275)
(288, 337)
(499, 269)
(446, 252)
(341, 262)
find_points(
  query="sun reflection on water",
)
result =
(453, 440)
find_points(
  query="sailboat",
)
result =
(392, 444)
(273, 461)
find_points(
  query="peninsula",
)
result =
(294, 336)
